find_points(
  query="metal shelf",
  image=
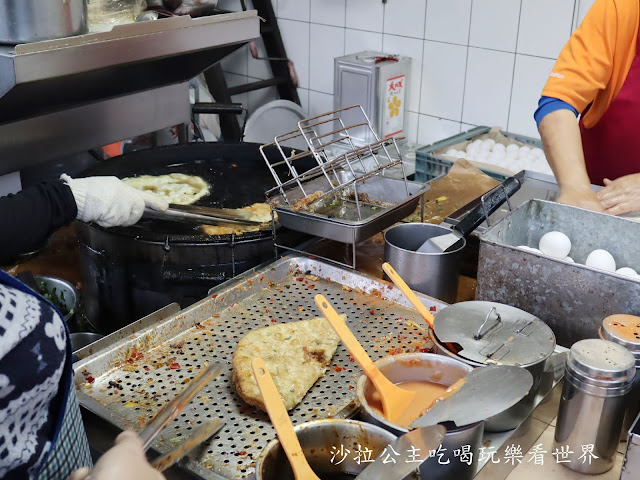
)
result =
(56, 81)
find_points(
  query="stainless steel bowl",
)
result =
(66, 292)
(318, 439)
(434, 368)
(25, 21)
(434, 274)
(82, 339)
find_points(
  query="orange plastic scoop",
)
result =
(395, 400)
(404, 288)
(281, 422)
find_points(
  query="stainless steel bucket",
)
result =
(320, 441)
(25, 21)
(437, 369)
(434, 274)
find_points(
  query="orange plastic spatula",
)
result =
(281, 422)
(395, 400)
(404, 288)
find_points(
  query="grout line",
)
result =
(513, 73)
(466, 67)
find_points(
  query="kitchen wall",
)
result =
(475, 62)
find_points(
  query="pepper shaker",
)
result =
(598, 378)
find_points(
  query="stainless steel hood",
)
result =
(62, 85)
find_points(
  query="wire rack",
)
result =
(340, 171)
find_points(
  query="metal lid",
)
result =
(494, 333)
(623, 330)
(603, 361)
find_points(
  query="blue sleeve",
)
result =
(546, 105)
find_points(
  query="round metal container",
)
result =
(25, 21)
(625, 330)
(491, 333)
(437, 369)
(82, 339)
(66, 292)
(599, 375)
(434, 274)
(319, 439)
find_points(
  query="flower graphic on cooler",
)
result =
(394, 105)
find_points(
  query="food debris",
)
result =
(174, 366)
(350, 387)
(301, 309)
(90, 379)
(337, 368)
(313, 278)
(271, 283)
(346, 288)
(131, 405)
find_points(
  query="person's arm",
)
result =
(560, 136)
(30, 216)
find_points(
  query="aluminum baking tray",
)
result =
(571, 298)
(390, 204)
(127, 391)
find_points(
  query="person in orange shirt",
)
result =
(596, 77)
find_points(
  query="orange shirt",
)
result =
(593, 65)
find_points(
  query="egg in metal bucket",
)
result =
(555, 244)
(602, 260)
(627, 271)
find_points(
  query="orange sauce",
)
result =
(427, 394)
(626, 327)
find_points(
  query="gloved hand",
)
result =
(110, 202)
(124, 461)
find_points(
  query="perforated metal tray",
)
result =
(378, 314)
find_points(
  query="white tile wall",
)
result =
(326, 44)
(443, 72)
(475, 62)
(448, 21)
(494, 24)
(294, 9)
(405, 17)
(530, 73)
(328, 12)
(359, 40)
(365, 15)
(295, 36)
(555, 15)
(487, 89)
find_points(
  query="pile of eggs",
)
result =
(558, 245)
(510, 157)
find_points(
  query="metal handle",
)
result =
(488, 205)
(480, 334)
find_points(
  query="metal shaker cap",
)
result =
(494, 333)
(623, 330)
(604, 363)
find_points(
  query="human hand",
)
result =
(621, 195)
(582, 197)
(124, 461)
(110, 202)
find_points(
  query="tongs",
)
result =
(171, 410)
(199, 215)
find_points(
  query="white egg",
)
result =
(498, 147)
(538, 152)
(451, 152)
(477, 142)
(601, 259)
(473, 148)
(555, 244)
(489, 141)
(569, 259)
(482, 156)
(460, 154)
(498, 155)
(470, 156)
(486, 147)
(525, 150)
(513, 149)
(629, 272)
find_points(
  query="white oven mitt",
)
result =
(110, 202)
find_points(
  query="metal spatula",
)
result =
(487, 391)
(473, 219)
(422, 439)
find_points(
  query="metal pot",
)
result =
(433, 274)
(82, 339)
(319, 440)
(25, 21)
(66, 292)
(437, 369)
(489, 333)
